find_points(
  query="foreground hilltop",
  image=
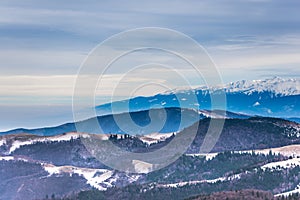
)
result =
(246, 156)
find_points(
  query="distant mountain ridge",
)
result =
(253, 152)
(276, 85)
(237, 134)
(275, 97)
(174, 122)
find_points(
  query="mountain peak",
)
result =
(276, 85)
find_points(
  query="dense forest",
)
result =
(241, 171)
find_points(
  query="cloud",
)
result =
(47, 41)
(43, 44)
(243, 42)
(264, 60)
(29, 62)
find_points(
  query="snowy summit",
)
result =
(276, 85)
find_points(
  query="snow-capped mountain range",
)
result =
(274, 97)
(276, 85)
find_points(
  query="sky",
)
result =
(44, 43)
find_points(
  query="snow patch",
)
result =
(93, 179)
(222, 179)
(290, 150)
(51, 169)
(269, 111)
(208, 156)
(163, 103)
(155, 137)
(283, 164)
(296, 190)
(58, 138)
(96, 178)
(256, 104)
(2, 142)
(141, 166)
(151, 100)
(7, 158)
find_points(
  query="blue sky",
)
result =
(43, 43)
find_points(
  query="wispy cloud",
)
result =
(47, 41)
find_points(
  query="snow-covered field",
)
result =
(148, 139)
(66, 137)
(290, 150)
(142, 167)
(155, 137)
(100, 179)
(180, 184)
(296, 190)
(10, 158)
(283, 164)
(95, 177)
(7, 158)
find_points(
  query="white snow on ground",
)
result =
(155, 137)
(283, 164)
(180, 184)
(290, 150)
(212, 114)
(276, 85)
(296, 131)
(7, 158)
(95, 177)
(151, 100)
(296, 190)
(51, 169)
(142, 167)
(17, 144)
(2, 142)
(256, 104)
(93, 180)
(66, 137)
(100, 179)
(208, 156)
